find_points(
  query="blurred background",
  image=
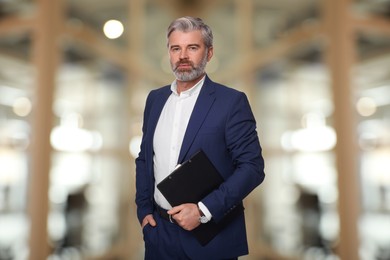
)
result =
(74, 75)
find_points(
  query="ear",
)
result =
(210, 53)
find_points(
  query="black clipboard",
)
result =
(190, 183)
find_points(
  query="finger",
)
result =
(152, 222)
(148, 220)
(144, 223)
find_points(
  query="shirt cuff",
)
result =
(205, 210)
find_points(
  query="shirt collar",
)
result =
(195, 89)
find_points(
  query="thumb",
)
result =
(174, 210)
(152, 222)
(149, 220)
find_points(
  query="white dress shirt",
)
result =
(169, 134)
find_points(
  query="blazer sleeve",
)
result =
(245, 158)
(143, 179)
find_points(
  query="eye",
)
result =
(193, 48)
(175, 49)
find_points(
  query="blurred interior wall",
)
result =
(101, 99)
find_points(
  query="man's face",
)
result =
(188, 55)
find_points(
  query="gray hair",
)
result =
(188, 24)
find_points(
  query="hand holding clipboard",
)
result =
(190, 183)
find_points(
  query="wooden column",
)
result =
(245, 42)
(45, 53)
(246, 46)
(341, 59)
(136, 41)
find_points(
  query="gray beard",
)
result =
(188, 75)
(194, 73)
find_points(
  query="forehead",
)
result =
(185, 38)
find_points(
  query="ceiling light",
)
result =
(22, 106)
(113, 29)
(366, 106)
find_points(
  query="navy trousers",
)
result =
(161, 242)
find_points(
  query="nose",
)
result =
(183, 54)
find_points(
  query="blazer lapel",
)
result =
(202, 106)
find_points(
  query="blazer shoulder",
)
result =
(223, 89)
(160, 90)
(157, 92)
(227, 92)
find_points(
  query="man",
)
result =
(195, 113)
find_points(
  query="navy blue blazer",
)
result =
(223, 126)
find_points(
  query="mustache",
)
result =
(186, 62)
